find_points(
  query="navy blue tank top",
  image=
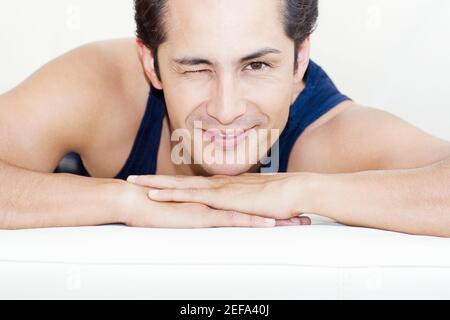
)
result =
(318, 97)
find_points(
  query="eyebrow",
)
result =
(259, 54)
(193, 61)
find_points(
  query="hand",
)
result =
(139, 211)
(273, 196)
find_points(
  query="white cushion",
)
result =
(325, 260)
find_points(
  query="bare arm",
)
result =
(373, 169)
(31, 199)
(415, 201)
(46, 116)
(379, 171)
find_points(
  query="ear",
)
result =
(148, 62)
(303, 55)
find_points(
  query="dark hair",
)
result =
(300, 17)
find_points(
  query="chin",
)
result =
(226, 169)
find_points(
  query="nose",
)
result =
(226, 105)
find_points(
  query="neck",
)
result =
(298, 89)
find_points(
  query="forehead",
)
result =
(224, 24)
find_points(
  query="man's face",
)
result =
(228, 66)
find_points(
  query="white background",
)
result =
(390, 54)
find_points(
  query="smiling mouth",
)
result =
(227, 139)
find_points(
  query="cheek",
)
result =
(180, 105)
(275, 102)
(182, 98)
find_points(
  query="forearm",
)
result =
(415, 201)
(33, 200)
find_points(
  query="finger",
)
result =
(171, 182)
(214, 198)
(204, 196)
(222, 218)
(297, 221)
(306, 221)
(289, 222)
(188, 215)
(221, 199)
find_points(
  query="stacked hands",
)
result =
(249, 200)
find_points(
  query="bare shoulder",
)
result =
(325, 147)
(57, 108)
(119, 66)
(358, 138)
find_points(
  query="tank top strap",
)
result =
(144, 154)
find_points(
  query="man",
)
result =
(174, 113)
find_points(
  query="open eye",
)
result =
(256, 66)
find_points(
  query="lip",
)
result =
(223, 139)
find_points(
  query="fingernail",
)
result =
(268, 222)
(296, 220)
(153, 193)
(305, 221)
(132, 179)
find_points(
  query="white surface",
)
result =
(325, 260)
(392, 55)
